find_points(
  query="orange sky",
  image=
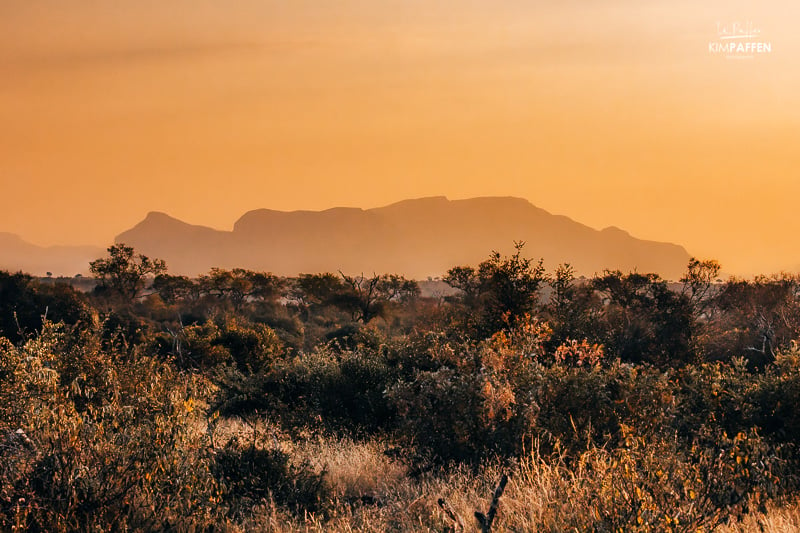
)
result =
(610, 112)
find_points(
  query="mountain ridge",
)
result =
(16, 254)
(414, 237)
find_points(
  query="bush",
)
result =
(250, 475)
(25, 303)
(338, 390)
(115, 452)
(251, 347)
(774, 397)
(478, 406)
(650, 484)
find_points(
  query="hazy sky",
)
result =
(610, 112)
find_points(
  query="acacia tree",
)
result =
(238, 286)
(367, 298)
(125, 272)
(316, 289)
(173, 289)
(310, 293)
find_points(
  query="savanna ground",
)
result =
(241, 401)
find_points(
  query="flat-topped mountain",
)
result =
(416, 238)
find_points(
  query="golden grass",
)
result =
(541, 496)
(777, 519)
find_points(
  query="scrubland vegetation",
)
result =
(240, 401)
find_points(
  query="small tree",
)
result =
(512, 283)
(125, 272)
(173, 289)
(563, 290)
(499, 291)
(643, 320)
(239, 286)
(367, 298)
(698, 283)
(570, 308)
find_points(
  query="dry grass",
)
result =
(542, 495)
(405, 505)
(356, 469)
(777, 519)
(353, 469)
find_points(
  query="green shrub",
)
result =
(338, 390)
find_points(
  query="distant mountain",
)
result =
(417, 238)
(17, 254)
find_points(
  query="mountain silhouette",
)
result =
(417, 238)
(17, 254)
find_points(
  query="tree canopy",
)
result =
(124, 272)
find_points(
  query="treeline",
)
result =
(114, 404)
(637, 317)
